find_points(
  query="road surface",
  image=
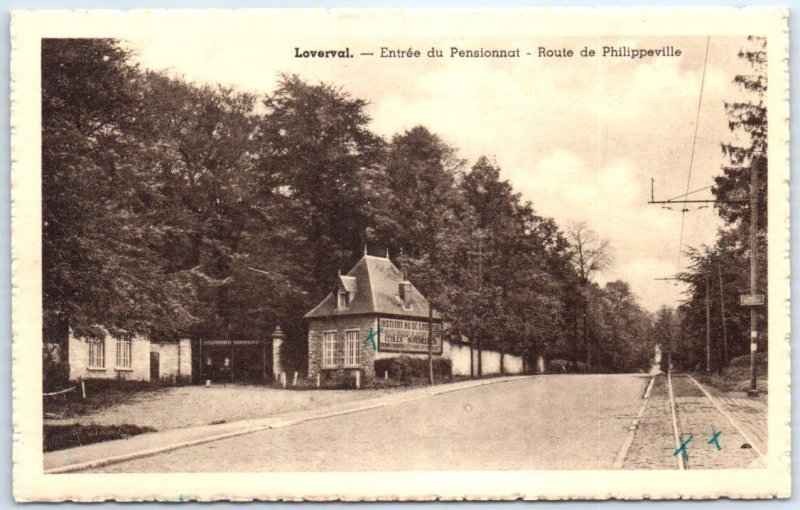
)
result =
(550, 422)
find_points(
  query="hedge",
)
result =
(405, 368)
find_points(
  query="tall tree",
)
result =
(207, 170)
(748, 117)
(591, 254)
(101, 234)
(729, 258)
(318, 150)
(432, 223)
(495, 205)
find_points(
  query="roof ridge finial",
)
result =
(387, 252)
(365, 250)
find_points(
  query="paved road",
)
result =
(550, 422)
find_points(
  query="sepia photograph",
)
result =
(401, 254)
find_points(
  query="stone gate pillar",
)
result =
(277, 341)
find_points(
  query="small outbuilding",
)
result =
(134, 358)
(373, 312)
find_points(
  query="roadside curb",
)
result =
(276, 423)
(622, 454)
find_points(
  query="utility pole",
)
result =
(722, 312)
(430, 342)
(753, 392)
(708, 326)
(480, 280)
(669, 340)
(753, 299)
(670, 346)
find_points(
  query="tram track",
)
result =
(676, 428)
(682, 442)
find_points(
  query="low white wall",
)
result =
(458, 355)
(513, 364)
(490, 360)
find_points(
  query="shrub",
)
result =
(558, 366)
(55, 372)
(406, 368)
(744, 361)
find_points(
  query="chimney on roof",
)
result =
(405, 292)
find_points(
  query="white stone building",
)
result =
(134, 359)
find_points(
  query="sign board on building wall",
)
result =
(399, 335)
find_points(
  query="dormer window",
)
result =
(343, 299)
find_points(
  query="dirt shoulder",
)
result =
(178, 407)
(734, 382)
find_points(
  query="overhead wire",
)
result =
(691, 159)
(690, 193)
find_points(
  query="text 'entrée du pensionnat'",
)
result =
(457, 52)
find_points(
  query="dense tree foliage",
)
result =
(175, 209)
(720, 273)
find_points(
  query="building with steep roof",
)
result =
(372, 312)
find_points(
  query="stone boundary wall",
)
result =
(459, 355)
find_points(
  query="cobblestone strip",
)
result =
(654, 441)
(751, 416)
(653, 444)
(702, 420)
(731, 421)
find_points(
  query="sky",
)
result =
(580, 138)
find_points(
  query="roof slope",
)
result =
(377, 281)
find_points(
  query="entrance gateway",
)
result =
(237, 360)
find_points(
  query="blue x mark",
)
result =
(371, 337)
(682, 448)
(715, 438)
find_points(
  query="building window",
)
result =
(342, 299)
(329, 348)
(97, 353)
(124, 348)
(351, 338)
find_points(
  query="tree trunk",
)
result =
(586, 339)
(471, 357)
(430, 343)
(480, 357)
(722, 315)
(708, 327)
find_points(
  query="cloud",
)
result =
(580, 138)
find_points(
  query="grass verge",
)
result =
(736, 377)
(61, 437)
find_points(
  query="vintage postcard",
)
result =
(400, 254)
